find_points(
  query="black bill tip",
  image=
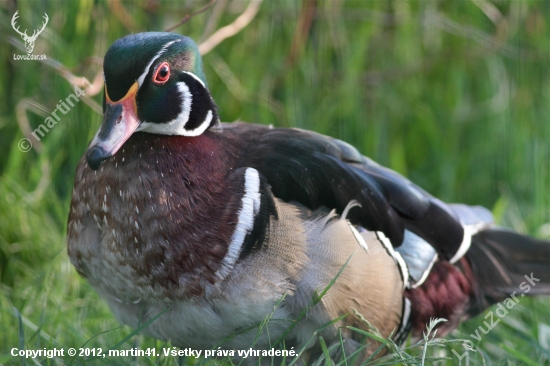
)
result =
(95, 156)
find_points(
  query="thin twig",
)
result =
(303, 28)
(490, 10)
(230, 30)
(119, 11)
(189, 16)
(21, 108)
(213, 19)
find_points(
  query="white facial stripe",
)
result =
(185, 104)
(196, 78)
(175, 126)
(200, 128)
(250, 207)
(159, 53)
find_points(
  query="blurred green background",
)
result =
(453, 94)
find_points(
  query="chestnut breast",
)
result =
(156, 219)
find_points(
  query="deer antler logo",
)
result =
(29, 41)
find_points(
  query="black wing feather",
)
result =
(317, 170)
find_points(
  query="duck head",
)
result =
(154, 83)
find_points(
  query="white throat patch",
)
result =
(177, 125)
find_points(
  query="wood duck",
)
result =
(223, 226)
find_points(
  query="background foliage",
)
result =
(453, 94)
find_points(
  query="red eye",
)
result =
(162, 73)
